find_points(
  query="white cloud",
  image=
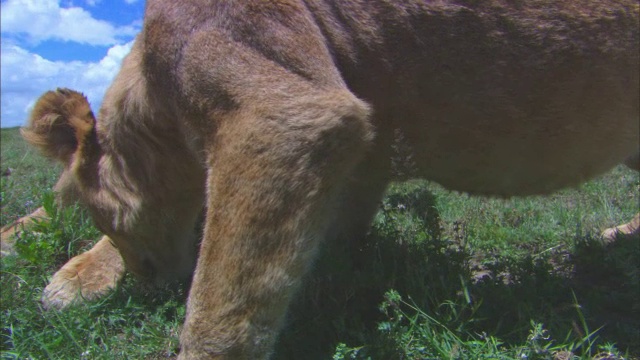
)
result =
(130, 1)
(25, 76)
(42, 20)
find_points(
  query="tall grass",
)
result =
(440, 276)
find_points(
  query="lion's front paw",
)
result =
(630, 230)
(85, 277)
(9, 233)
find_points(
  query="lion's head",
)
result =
(63, 127)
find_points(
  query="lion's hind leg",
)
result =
(87, 276)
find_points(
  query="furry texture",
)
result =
(263, 113)
(10, 232)
(87, 276)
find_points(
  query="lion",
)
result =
(276, 119)
(10, 232)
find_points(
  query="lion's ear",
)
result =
(60, 122)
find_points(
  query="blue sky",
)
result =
(47, 44)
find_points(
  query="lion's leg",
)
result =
(632, 228)
(628, 230)
(361, 199)
(86, 276)
(9, 232)
(273, 190)
(633, 162)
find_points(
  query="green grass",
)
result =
(30, 176)
(440, 276)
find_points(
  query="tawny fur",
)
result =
(278, 118)
(9, 233)
(630, 230)
(87, 276)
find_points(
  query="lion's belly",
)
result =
(511, 166)
(515, 128)
(506, 151)
(543, 103)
